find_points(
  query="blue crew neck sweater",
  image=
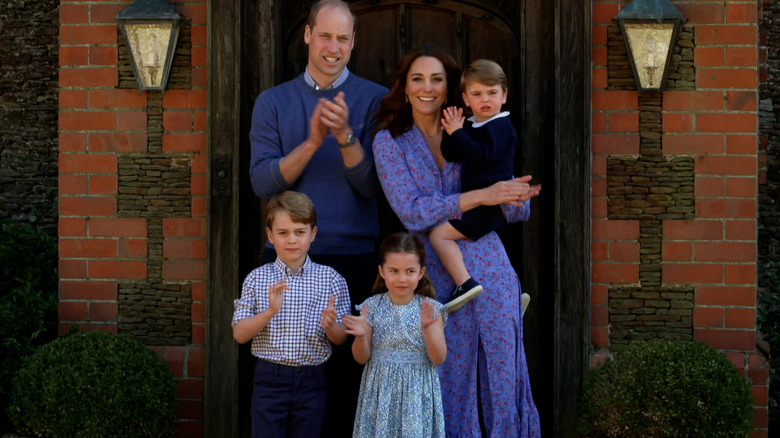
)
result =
(344, 198)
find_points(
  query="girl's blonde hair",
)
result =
(407, 244)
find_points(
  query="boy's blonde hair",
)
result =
(296, 204)
(483, 71)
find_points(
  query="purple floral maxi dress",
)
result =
(486, 333)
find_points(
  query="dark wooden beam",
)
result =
(537, 66)
(222, 283)
(572, 218)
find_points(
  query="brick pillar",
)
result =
(708, 119)
(132, 193)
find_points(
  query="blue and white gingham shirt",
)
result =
(294, 335)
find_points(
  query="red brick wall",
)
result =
(716, 124)
(98, 122)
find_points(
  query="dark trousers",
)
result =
(287, 401)
(342, 373)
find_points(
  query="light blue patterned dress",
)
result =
(400, 394)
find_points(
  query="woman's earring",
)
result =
(407, 97)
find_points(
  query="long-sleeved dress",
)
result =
(485, 337)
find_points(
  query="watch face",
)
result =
(351, 140)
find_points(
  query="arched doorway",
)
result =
(542, 46)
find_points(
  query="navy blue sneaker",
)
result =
(463, 294)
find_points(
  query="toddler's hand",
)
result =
(329, 315)
(453, 119)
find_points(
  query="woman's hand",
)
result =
(514, 192)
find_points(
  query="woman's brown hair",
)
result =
(404, 243)
(395, 112)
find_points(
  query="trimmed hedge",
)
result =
(94, 385)
(28, 299)
(666, 389)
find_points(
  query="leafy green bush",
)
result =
(768, 323)
(28, 299)
(768, 318)
(94, 385)
(666, 389)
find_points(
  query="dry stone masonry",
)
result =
(650, 188)
(155, 186)
(28, 110)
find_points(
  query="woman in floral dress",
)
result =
(485, 385)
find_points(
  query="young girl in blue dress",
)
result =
(399, 335)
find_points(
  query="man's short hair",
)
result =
(483, 71)
(317, 6)
(296, 204)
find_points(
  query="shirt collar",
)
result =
(476, 124)
(284, 270)
(339, 80)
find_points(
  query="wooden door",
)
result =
(543, 47)
(387, 30)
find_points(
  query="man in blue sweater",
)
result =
(313, 135)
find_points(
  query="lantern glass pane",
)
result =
(149, 44)
(650, 43)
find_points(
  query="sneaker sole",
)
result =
(525, 299)
(457, 303)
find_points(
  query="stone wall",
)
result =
(769, 174)
(769, 122)
(28, 110)
(650, 188)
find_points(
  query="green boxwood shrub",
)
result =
(94, 385)
(666, 389)
(28, 299)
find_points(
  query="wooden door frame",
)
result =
(568, 47)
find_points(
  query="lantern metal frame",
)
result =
(155, 13)
(650, 16)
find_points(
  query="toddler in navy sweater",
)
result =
(485, 146)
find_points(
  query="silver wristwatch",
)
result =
(351, 140)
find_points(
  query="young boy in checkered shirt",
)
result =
(291, 310)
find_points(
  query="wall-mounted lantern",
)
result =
(150, 29)
(650, 28)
